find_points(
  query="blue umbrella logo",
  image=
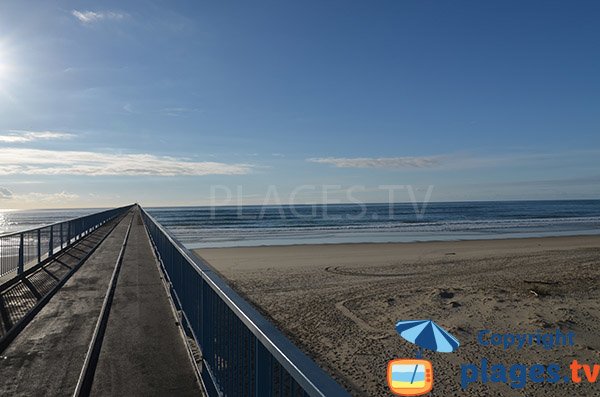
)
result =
(427, 335)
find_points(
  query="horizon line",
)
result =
(296, 204)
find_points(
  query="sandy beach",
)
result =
(340, 302)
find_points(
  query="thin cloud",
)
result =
(89, 17)
(128, 108)
(47, 197)
(16, 161)
(459, 161)
(593, 180)
(5, 194)
(60, 197)
(178, 111)
(381, 162)
(21, 136)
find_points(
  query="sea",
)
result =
(18, 220)
(236, 226)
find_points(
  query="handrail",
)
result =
(12, 234)
(29, 248)
(240, 347)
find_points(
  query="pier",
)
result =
(113, 304)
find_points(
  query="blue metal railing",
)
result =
(23, 250)
(243, 354)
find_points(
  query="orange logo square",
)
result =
(410, 377)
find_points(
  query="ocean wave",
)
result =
(440, 220)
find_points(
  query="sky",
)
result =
(171, 103)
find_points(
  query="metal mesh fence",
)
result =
(22, 250)
(243, 354)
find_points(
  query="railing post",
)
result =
(61, 236)
(39, 246)
(21, 256)
(51, 243)
(68, 233)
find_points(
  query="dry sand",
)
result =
(340, 302)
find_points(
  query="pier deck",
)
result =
(142, 350)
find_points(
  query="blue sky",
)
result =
(106, 103)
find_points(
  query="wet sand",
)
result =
(340, 302)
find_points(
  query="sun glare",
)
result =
(5, 65)
(3, 69)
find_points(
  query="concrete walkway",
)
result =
(143, 352)
(19, 298)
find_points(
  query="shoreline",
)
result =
(591, 234)
(258, 257)
(329, 239)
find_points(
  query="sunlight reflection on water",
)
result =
(5, 221)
